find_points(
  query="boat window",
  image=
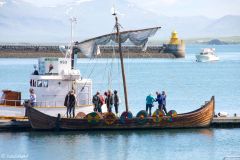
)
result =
(45, 83)
(2, 100)
(39, 83)
(34, 83)
(31, 82)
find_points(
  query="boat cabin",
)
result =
(10, 98)
(54, 78)
(207, 51)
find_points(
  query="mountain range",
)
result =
(24, 22)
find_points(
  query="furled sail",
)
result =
(137, 37)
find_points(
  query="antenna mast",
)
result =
(72, 20)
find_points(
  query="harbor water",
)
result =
(188, 85)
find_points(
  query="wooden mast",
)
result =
(121, 59)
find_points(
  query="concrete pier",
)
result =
(14, 125)
(24, 125)
(36, 51)
(226, 122)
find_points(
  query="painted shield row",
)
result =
(126, 117)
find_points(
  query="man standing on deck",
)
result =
(116, 101)
(96, 102)
(159, 100)
(109, 100)
(149, 103)
(164, 96)
(70, 102)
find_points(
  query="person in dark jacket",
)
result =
(95, 101)
(159, 100)
(116, 101)
(164, 97)
(109, 100)
(70, 102)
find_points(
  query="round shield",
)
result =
(142, 117)
(126, 117)
(157, 115)
(93, 117)
(171, 114)
(80, 115)
(109, 118)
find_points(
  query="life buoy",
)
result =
(142, 117)
(126, 117)
(93, 118)
(109, 118)
(157, 116)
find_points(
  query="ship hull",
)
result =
(206, 58)
(201, 117)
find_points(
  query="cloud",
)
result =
(54, 3)
(189, 7)
(153, 5)
(2, 2)
(82, 1)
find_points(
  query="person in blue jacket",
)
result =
(159, 100)
(149, 103)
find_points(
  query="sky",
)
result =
(208, 8)
(48, 20)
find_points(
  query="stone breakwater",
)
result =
(35, 51)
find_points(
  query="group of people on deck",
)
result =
(161, 99)
(98, 100)
(109, 98)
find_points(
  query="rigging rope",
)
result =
(89, 75)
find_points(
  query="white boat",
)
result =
(51, 81)
(207, 55)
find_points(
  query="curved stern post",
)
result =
(213, 99)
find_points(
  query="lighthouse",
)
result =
(175, 46)
(174, 39)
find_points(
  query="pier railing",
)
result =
(17, 103)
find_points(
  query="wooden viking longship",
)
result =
(201, 117)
